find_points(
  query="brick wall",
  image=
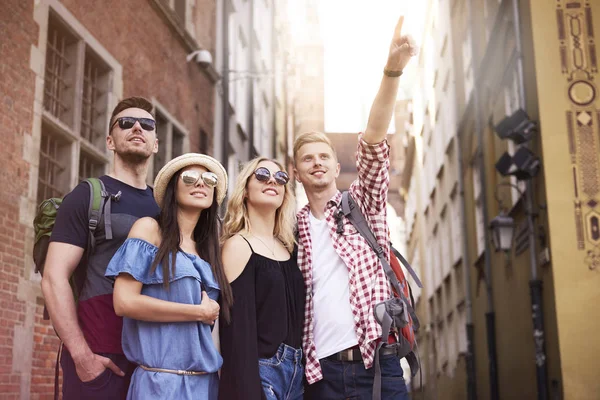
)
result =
(18, 32)
(152, 57)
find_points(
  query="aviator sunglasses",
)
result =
(263, 175)
(192, 177)
(147, 124)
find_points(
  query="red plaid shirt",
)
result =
(368, 283)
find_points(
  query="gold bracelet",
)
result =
(391, 74)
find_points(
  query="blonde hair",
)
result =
(236, 217)
(312, 137)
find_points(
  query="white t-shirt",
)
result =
(333, 319)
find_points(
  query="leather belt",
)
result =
(353, 354)
(173, 371)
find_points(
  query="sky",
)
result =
(356, 36)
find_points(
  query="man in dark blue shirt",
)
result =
(93, 363)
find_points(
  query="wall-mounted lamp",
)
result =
(523, 164)
(503, 229)
(503, 225)
(517, 127)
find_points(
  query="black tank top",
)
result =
(268, 309)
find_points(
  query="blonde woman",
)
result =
(261, 343)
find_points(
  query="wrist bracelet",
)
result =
(391, 74)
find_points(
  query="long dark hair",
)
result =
(206, 237)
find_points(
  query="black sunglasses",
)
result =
(147, 124)
(263, 174)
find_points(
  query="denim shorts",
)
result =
(281, 375)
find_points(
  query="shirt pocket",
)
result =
(349, 229)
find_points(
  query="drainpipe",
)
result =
(273, 78)
(490, 316)
(251, 67)
(535, 284)
(466, 265)
(225, 84)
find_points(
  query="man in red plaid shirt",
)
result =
(343, 276)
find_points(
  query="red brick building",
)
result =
(63, 66)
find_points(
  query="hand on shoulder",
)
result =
(147, 229)
(235, 255)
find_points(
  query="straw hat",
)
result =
(176, 164)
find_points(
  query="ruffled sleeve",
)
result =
(135, 258)
(205, 271)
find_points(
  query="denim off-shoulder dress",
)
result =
(184, 346)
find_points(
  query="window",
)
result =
(445, 239)
(441, 345)
(88, 166)
(61, 56)
(204, 142)
(416, 265)
(180, 8)
(93, 115)
(456, 228)
(462, 329)
(411, 204)
(459, 284)
(451, 342)
(53, 178)
(490, 8)
(467, 65)
(172, 139)
(478, 202)
(448, 296)
(429, 284)
(444, 46)
(75, 107)
(436, 264)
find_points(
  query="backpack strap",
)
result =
(351, 210)
(410, 270)
(94, 210)
(402, 348)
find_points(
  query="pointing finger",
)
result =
(398, 29)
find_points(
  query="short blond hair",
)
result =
(312, 137)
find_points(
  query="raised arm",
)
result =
(402, 49)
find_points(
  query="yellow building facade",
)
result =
(565, 37)
(540, 56)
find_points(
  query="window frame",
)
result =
(68, 128)
(173, 127)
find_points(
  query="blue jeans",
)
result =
(350, 380)
(281, 375)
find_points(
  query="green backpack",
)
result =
(44, 223)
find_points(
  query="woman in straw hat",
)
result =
(261, 342)
(168, 274)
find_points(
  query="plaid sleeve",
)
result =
(370, 190)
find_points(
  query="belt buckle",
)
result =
(349, 354)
